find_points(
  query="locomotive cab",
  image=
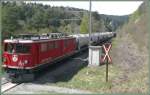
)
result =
(18, 60)
(17, 55)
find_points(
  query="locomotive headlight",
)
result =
(4, 59)
(15, 58)
(26, 61)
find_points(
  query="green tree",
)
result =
(20, 17)
(37, 21)
(10, 17)
(67, 28)
(84, 24)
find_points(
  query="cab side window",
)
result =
(66, 43)
(52, 45)
(22, 48)
(55, 44)
(43, 47)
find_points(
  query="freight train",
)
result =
(27, 54)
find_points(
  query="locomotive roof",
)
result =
(29, 38)
(34, 38)
(32, 41)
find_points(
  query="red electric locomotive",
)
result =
(28, 54)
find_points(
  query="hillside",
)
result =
(116, 20)
(21, 17)
(130, 53)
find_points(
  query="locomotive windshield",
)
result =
(17, 48)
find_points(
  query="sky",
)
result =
(102, 7)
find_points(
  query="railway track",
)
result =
(4, 82)
(7, 86)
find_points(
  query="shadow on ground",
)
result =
(63, 71)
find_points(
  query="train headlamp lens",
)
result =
(26, 62)
(4, 59)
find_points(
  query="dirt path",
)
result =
(29, 88)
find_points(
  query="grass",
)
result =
(134, 31)
(136, 82)
(93, 79)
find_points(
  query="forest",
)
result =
(22, 17)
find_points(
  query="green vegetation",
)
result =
(20, 17)
(84, 24)
(129, 71)
(92, 79)
(130, 53)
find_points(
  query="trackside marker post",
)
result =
(107, 57)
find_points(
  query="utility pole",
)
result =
(90, 21)
(107, 70)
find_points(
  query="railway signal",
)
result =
(107, 57)
(107, 48)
